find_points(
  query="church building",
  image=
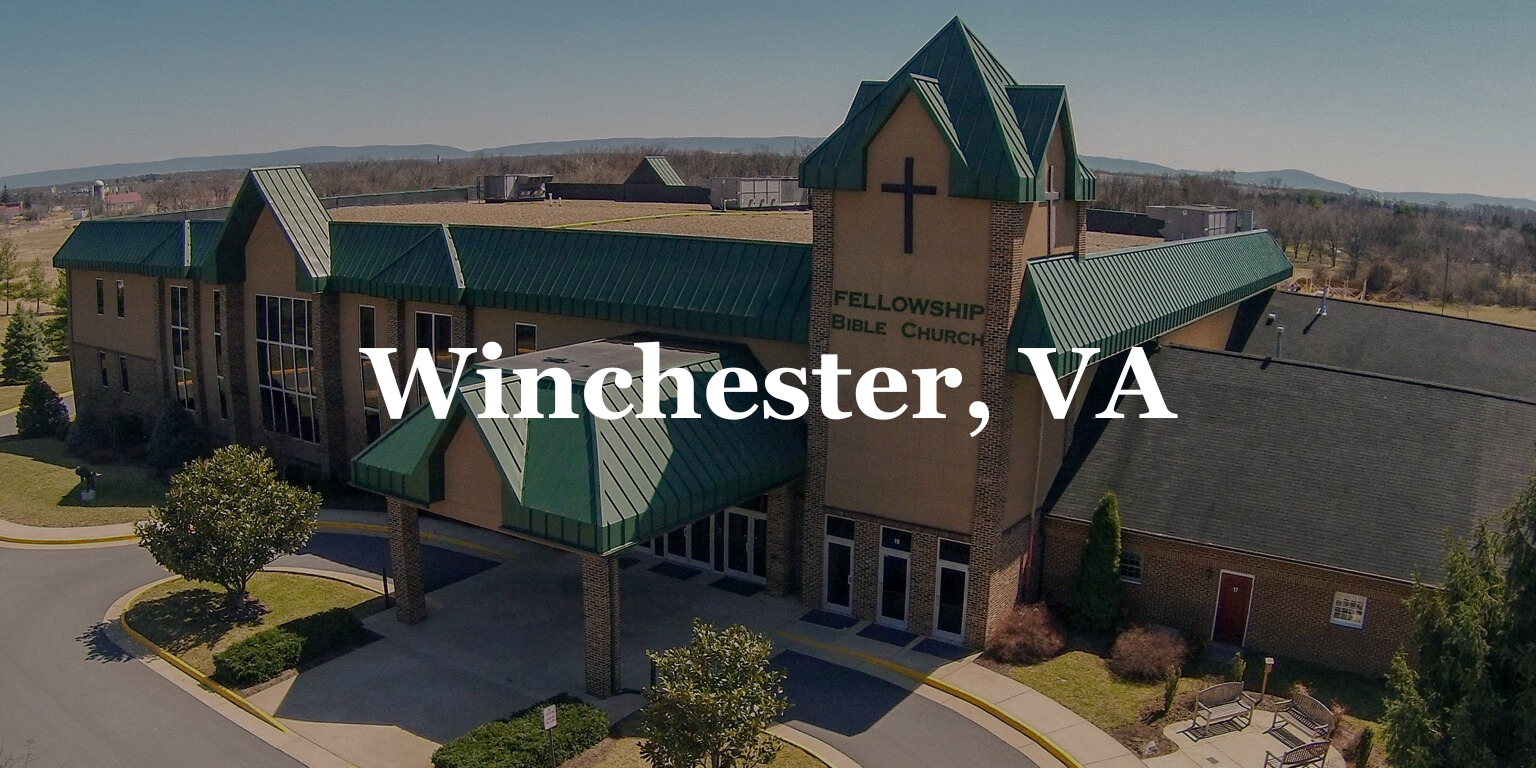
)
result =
(947, 231)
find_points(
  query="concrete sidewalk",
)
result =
(91, 535)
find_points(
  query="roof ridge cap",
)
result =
(1270, 359)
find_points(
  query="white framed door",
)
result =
(953, 574)
(693, 544)
(837, 566)
(746, 544)
(895, 587)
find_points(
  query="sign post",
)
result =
(549, 728)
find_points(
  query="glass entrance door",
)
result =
(746, 544)
(895, 577)
(837, 566)
(954, 570)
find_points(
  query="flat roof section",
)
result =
(660, 218)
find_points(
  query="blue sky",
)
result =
(1397, 96)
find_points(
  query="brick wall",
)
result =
(146, 395)
(813, 518)
(992, 570)
(405, 562)
(1291, 608)
(600, 616)
(783, 539)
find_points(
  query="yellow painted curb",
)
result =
(815, 755)
(202, 679)
(953, 690)
(97, 540)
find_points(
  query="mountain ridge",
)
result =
(1292, 178)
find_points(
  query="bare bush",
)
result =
(1026, 635)
(1147, 655)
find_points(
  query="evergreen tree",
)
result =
(175, 440)
(24, 355)
(56, 326)
(1463, 692)
(35, 285)
(42, 412)
(1096, 588)
(5, 193)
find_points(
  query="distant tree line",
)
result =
(1477, 255)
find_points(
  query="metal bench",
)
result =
(1306, 754)
(1311, 717)
(1221, 703)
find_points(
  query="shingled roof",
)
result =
(1396, 342)
(997, 130)
(1348, 470)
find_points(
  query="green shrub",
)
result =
(1362, 756)
(519, 741)
(267, 653)
(42, 412)
(176, 439)
(1171, 688)
(127, 431)
(1096, 587)
(258, 658)
(89, 436)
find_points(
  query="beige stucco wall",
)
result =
(1209, 332)
(471, 483)
(135, 333)
(921, 472)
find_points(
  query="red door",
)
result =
(1232, 603)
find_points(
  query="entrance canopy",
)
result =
(589, 483)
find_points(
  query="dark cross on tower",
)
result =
(907, 189)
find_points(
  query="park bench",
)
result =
(1221, 703)
(1311, 717)
(1306, 754)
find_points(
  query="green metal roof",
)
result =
(655, 169)
(298, 212)
(996, 129)
(714, 285)
(1039, 109)
(591, 483)
(172, 249)
(1115, 300)
(414, 262)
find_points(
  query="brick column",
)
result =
(781, 541)
(239, 337)
(866, 569)
(986, 596)
(1082, 227)
(600, 617)
(405, 562)
(813, 518)
(924, 564)
(326, 378)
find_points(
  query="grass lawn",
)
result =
(189, 619)
(1080, 680)
(38, 487)
(57, 377)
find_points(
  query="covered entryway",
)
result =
(1234, 598)
(685, 488)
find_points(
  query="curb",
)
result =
(66, 542)
(819, 751)
(175, 661)
(960, 693)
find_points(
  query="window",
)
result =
(181, 346)
(122, 372)
(367, 337)
(434, 332)
(1130, 567)
(1348, 610)
(101, 296)
(218, 353)
(101, 362)
(527, 337)
(120, 307)
(283, 351)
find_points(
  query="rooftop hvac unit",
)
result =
(511, 187)
(747, 193)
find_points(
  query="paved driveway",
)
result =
(879, 724)
(75, 700)
(8, 420)
(72, 698)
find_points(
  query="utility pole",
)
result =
(1445, 298)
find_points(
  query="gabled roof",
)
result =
(712, 285)
(299, 213)
(1115, 300)
(655, 169)
(1394, 341)
(996, 129)
(591, 483)
(174, 249)
(1353, 471)
(414, 262)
